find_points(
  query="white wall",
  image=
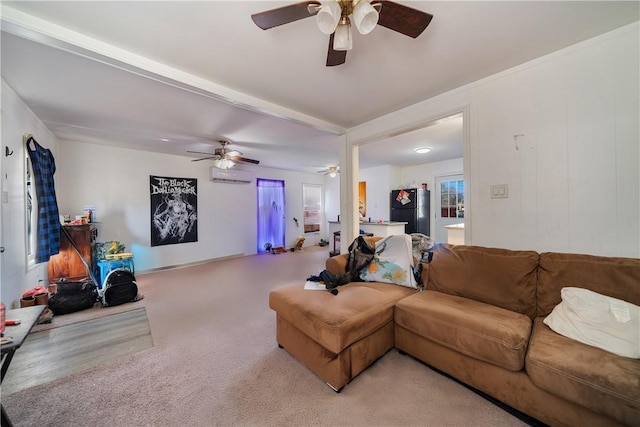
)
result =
(574, 181)
(17, 119)
(116, 182)
(331, 203)
(380, 181)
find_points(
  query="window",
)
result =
(452, 199)
(312, 200)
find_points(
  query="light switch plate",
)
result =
(499, 191)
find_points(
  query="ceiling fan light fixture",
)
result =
(328, 16)
(342, 38)
(224, 163)
(365, 17)
(333, 18)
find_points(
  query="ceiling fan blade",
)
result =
(335, 57)
(403, 19)
(200, 152)
(282, 15)
(204, 158)
(244, 159)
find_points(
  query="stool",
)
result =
(106, 266)
(336, 240)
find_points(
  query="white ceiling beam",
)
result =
(41, 31)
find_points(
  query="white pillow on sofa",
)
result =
(598, 320)
(392, 262)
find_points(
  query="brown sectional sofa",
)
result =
(480, 320)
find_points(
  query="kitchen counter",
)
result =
(382, 229)
(455, 234)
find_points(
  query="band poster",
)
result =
(174, 210)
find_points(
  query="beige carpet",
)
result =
(215, 362)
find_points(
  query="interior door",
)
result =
(271, 214)
(449, 204)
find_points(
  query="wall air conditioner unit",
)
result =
(230, 176)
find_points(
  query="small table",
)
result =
(28, 317)
(107, 266)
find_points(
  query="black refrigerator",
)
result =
(411, 206)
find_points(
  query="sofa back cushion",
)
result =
(501, 277)
(616, 277)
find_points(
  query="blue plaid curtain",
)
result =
(270, 213)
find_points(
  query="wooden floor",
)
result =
(56, 353)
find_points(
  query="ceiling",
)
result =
(174, 77)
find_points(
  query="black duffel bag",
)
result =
(73, 296)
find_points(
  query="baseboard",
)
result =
(189, 264)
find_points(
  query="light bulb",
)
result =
(365, 17)
(342, 38)
(328, 16)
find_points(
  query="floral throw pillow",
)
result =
(392, 262)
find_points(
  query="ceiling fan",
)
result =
(334, 18)
(223, 157)
(332, 171)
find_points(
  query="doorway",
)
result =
(449, 209)
(447, 135)
(271, 220)
(312, 207)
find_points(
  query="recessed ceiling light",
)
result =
(164, 140)
(422, 150)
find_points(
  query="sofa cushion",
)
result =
(500, 277)
(337, 321)
(598, 320)
(612, 276)
(337, 264)
(586, 375)
(475, 329)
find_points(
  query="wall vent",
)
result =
(230, 176)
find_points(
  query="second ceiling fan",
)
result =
(334, 18)
(224, 158)
(332, 171)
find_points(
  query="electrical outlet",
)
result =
(499, 191)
